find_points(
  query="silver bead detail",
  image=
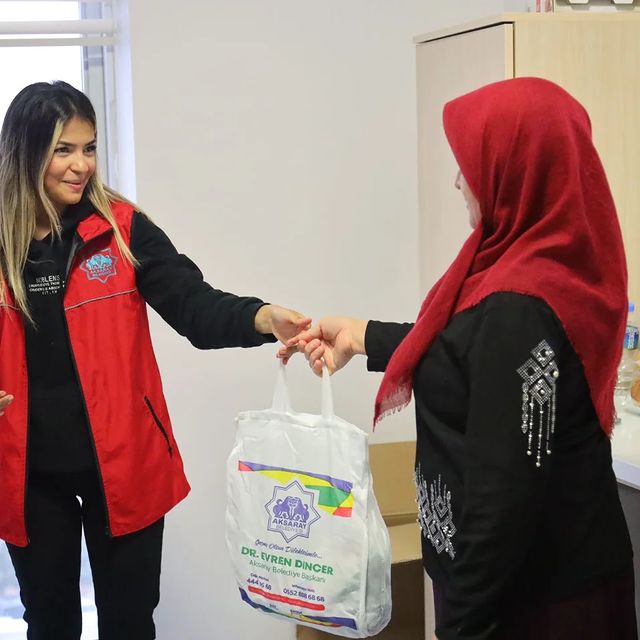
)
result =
(539, 375)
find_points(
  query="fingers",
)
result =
(287, 352)
(5, 400)
(319, 354)
(314, 351)
(292, 317)
(302, 322)
(310, 333)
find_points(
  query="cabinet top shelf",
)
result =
(512, 18)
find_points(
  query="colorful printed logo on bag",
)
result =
(334, 496)
(100, 266)
(321, 621)
(291, 511)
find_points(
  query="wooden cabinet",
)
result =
(596, 57)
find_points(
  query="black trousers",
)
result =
(606, 612)
(125, 569)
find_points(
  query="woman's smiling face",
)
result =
(72, 165)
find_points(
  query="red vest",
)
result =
(140, 467)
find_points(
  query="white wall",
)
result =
(275, 142)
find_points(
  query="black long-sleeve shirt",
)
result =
(499, 386)
(59, 438)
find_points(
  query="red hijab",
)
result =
(549, 229)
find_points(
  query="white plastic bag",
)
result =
(303, 527)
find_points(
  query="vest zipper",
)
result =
(159, 425)
(26, 454)
(76, 245)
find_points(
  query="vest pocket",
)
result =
(163, 431)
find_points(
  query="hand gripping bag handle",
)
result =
(281, 402)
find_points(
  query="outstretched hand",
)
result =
(332, 342)
(281, 322)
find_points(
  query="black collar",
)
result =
(76, 213)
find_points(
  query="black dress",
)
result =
(523, 531)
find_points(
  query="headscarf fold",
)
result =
(549, 229)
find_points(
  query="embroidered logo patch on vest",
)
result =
(100, 266)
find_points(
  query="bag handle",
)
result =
(327, 393)
(281, 402)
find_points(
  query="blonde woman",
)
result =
(83, 411)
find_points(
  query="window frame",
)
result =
(94, 31)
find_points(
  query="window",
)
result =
(55, 40)
(60, 40)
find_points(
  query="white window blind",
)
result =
(68, 40)
(29, 23)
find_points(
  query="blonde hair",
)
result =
(30, 131)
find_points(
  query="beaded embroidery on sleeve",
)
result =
(434, 513)
(540, 374)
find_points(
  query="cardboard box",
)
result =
(392, 469)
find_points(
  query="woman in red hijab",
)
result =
(512, 361)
